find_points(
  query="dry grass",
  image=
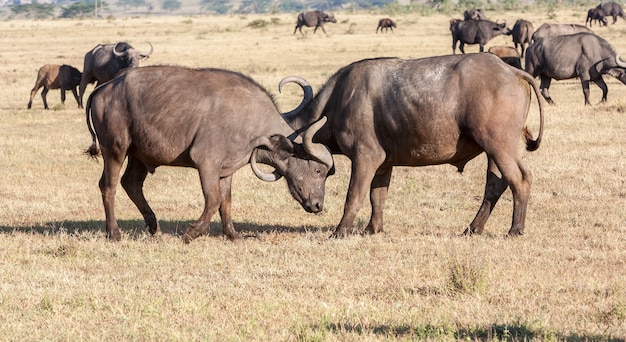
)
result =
(61, 280)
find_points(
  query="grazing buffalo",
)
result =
(553, 30)
(508, 54)
(388, 112)
(612, 9)
(215, 121)
(105, 61)
(582, 55)
(522, 33)
(596, 14)
(385, 24)
(474, 14)
(53, 76)
(475, 32)
(313, 18)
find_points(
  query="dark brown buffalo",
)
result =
(475, 32)
(390, 112)
(508, 54)
(522, 34)
(582, 55)
(612, 9)
(385, 24)
(474, 14)
(105, 61)
(53, 76)
(596, 14)
(313, 18)
(547, 30)
(215, 121)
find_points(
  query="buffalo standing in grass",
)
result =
(388, 112)
(53, 76)
(582, 55)
(105, 61)
(475, 32)
(547, 30)
(612, 9)
(522, 34)
(215, 121)
(385, 24)
(596, 14)
(313, 18)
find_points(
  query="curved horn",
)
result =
(619, 61)
(267, 177)
(149, 52)
(119, 54)
(318, 151)
(306, 88)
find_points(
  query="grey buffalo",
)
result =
(582, 55)
(385, 24)
(213, 120)
(105, 61)
(474, 14)
(53, 76)
(598, 15)
(388, 112)
(612, 9)
(547, 30)
(475, 32)
(313, 18)
(522, 33)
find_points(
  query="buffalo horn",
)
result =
(268, 177)
(149, 52)
(619, 61)
(306, 88)
(318, 151)
(119, 54)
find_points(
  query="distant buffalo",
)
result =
(522, 33)
(385, 24)
(53, 76)
(508, 54)
(314, 18)
(474, 14)
(475, 32)
(598, 15)
(612, 9)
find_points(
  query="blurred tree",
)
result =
(255, 6)
(34, 10)
(217, 6)
(171, 5)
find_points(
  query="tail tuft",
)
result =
(93, 151)
(531, 145)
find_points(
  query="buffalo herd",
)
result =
(379, 113)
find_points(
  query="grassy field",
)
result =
(60, 279)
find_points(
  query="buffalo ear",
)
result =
(280, 143)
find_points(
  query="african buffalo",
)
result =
(508, 54)
(385, 24)
(388, 112)
(474, 14)
(213, 120)
(553, 30)
(53, 76)
(612, 9)
(582, 55)
(105, 61)
(596, 14)
(314, 18)
(522, 33)
(475, 32)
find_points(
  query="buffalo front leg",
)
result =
(226, 209)
(132, 182)
(378, 196)
(75, 94)
(209, 179)
(108, 185)
(494, 188)
(605, 90)
(545, 86)
(44, 93)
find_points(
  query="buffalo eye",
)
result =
(318, 171)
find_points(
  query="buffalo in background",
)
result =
(508, 54)
(385, 24)
(583, 55)
(596, 14)
(387, 112)
(474, 14)
(475, 32)
(105, 61)
(522, 33)
(53, 76)
(313, 18)
(612, 9)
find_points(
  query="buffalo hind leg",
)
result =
(494, 188)
(605, 90)
(226, 209)
(378, 196)
(545, 86)
(209, 179)
(132, 182)
(44, 93)
(108, 185)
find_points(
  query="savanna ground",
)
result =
(60, 279)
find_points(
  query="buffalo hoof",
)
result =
(340, 233)
(194, 230)
(114, 236)
(516, 232)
